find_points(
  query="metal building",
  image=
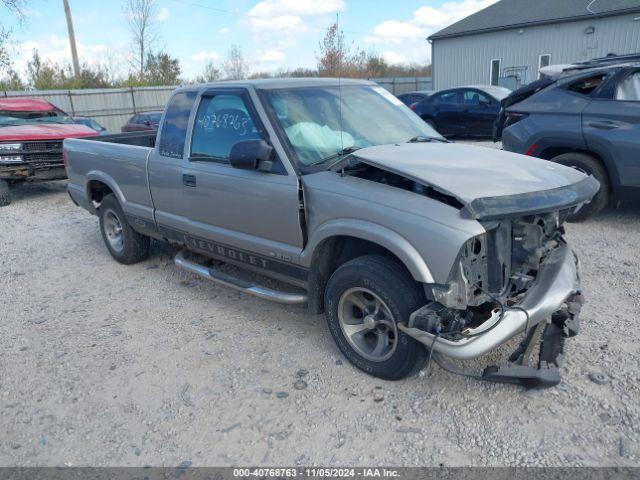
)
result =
(507, 42)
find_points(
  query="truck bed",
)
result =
(118, 162)
(140, 139)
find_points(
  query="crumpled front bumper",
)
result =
(557, 281)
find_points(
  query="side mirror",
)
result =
(147, 123)
(252, 155)
(485, 103)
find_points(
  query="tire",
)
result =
(375, 280)
(124, 244)
(591, 166)
(5, 194)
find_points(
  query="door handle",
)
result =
(189, 180)
(605, 125)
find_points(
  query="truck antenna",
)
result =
(339, 77)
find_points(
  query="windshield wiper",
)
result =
(337, 156)
(424, 138)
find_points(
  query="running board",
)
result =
(237, 283)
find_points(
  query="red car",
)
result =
(31, 135)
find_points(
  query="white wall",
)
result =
(467, 60)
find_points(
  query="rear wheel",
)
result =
(589, 166)
(123, 242)
(5, 194)
(365, 300)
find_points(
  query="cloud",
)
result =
(205, 56)
(276, 26)
(274, 8)
(224, 31)
(393, 57)
(430, 17)
(271, 56)
(163, 15)
(426, 20)
(56, 49)
(282, 23)
(395, 32)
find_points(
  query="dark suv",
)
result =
(586, 116)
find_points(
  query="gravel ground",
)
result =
(105, 364)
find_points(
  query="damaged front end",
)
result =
(520, 275)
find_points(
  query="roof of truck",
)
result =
(25, 104)
(275, 83)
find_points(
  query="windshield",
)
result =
(19, 117)
(311, 122)
(155, 117)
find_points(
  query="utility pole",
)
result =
(72, 39)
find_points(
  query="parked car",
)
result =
(586, 117)
(92, 124)
(143, 122)
(410, 99)
(31, 134)
(408, 242)
(463, 111)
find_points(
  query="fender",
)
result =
(372, 232)
(546, 143)
(102, 177)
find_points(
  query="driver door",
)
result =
(246, 216)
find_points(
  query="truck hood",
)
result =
(488, 182)
(45, 131)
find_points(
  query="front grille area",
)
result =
(38, 146)
(43, 158)
(41, 153)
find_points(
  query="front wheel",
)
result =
(124, 244)
(365, 300)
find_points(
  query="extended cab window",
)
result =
(220, 123)
(174, 128)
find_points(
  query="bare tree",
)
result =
(332, 54)
(141, 18)
(235, 67)
(15, 7)
(210, 73)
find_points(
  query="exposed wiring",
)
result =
(433, 343)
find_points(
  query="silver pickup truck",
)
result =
(414, 247)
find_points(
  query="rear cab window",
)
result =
(174, 129)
